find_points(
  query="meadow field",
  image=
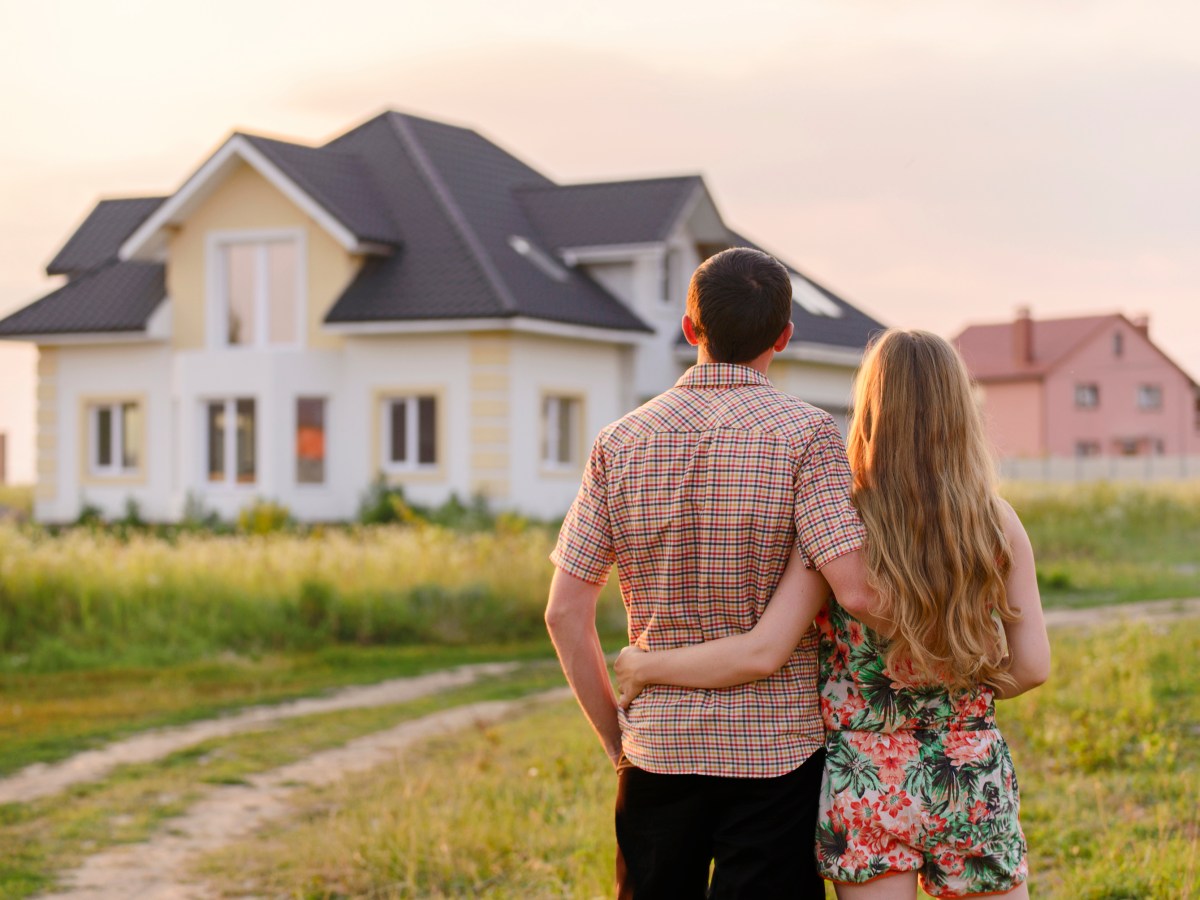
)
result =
(1107, 753)
(109, 630)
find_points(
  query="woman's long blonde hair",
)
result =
(924, 484)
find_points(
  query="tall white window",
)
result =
(561, 432)
(259, 296)
(410, 433)
(310, 440)
(115, 439)
(232, 452)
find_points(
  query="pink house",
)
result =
(1088, 386)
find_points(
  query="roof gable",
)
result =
(313, 182)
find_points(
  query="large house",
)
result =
(407, 300)
(1081, 387)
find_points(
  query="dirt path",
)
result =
(43, 780)
(158, 868)
(1149, 611)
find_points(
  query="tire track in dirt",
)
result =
(158, 869)
(1150, 611)
(43, 780)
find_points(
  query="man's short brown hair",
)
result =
(739, 301)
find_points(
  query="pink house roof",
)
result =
(991, 354)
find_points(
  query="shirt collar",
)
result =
(706, 376)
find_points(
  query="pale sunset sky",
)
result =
(936, 162)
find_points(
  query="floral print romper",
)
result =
(916, 778)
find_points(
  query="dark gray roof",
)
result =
(456, 193)
(473, 233)
(613, 212)
(339, 182)
(119, 296)
(101, 235)
(853, 329)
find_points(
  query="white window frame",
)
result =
(218, 305)
(550, 413)
(412, 424)
(229, 482)
(117, 468)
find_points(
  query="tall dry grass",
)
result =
(87, 595)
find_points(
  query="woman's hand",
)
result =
(628, 669)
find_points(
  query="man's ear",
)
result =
(689, 332)
(784, 336)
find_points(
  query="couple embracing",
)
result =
(817, 638)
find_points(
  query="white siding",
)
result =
(595, 372)
(118, 370)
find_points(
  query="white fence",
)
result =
(1101, 468)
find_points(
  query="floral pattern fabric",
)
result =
(916, 779)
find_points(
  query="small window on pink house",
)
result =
(1087, 448)
(1149, 396)
(1087, 396)
(1118, 344)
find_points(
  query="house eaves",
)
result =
(120, 297)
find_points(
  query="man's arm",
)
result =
(571, 621)
(847, 577)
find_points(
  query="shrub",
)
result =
(264, 517)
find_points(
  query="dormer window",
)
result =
(258, 297)
(812, 300)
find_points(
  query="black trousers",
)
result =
(756, 832)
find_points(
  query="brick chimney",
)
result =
(1023, 337)
(1142, 324)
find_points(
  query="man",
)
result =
(699, 497)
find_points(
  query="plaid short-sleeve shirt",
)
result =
(698, 497)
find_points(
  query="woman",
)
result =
(917, 780)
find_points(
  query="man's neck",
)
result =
(760, 363)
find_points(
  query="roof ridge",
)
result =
(404, 133)
(599, 184)
(141, 198)
(1010, 322)
(321, 148)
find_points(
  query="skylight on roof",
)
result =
(536, 256)
(812, 300)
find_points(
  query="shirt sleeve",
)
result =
(827, 524)
(585, 543)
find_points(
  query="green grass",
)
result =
(48, 716)
(1112, 543)
(40, 839)
(1107, 753)
(94, 598)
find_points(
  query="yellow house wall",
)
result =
(47, 425)
(490, 357)
(246, 200)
